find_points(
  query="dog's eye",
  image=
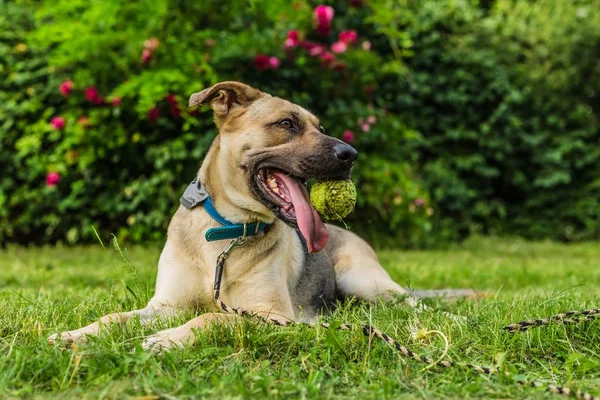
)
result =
(286, 124)
(321, 129)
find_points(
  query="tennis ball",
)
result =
(333, 199)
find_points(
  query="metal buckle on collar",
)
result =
(237, 242)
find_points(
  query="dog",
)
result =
(293, 266)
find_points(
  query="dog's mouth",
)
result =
(288, 198)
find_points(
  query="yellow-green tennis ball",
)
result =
(333, 199)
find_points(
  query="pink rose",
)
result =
(339, 47)
(273, 62)
(116, 101)
(349, 37)
(289, 44)
(316, 51)
(151, 44)
(57, 123)
(322, 17)
(175, 112)
(365, 127)
(371, 119)
(261, 61)
(52, 179)
(348, 136)
(293, 35)
(66, 87)
(146, 56)
(292, 40)
(327, 59)
(92, 95)
(419, 202)
(153, 114)
(170, 98)
(366, 45)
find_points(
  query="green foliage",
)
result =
(483, 116)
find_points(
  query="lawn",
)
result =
(47, 290)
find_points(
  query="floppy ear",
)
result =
(223, 96)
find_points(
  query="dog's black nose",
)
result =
(345, 152)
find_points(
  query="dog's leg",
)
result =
(369, 281)
(184, 335)
(146, 315)
(358, 272)
(177, 288)
(264, 300)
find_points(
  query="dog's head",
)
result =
(268, 149)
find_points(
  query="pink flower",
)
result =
(365, 127)
(116, 101)
(291, 40)
(327, 59)
(349, 37)
(316, 50)
(57, 123)
(66, 87)
(419, 202)
(153, 114)
(293, 35)
(52, 179)
(175, 112)
(92, 95)
(146, 56)
(152, 44)
(289, 43)
(371, 119)
(261, 61)
(339, 47)
(348, 136)
(273, 62)
(323, 16)
(366, 45)
(170, 98)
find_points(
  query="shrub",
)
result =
(447, 102)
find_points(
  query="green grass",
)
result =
(48, 290)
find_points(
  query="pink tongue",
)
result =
(311, 226)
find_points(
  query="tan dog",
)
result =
(255, 171)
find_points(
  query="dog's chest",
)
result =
(315, 288)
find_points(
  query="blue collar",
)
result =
(196, 194)
(229, 230)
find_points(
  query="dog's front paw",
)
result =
(67, 338)
(168, 339)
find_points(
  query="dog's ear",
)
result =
(225, 95)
